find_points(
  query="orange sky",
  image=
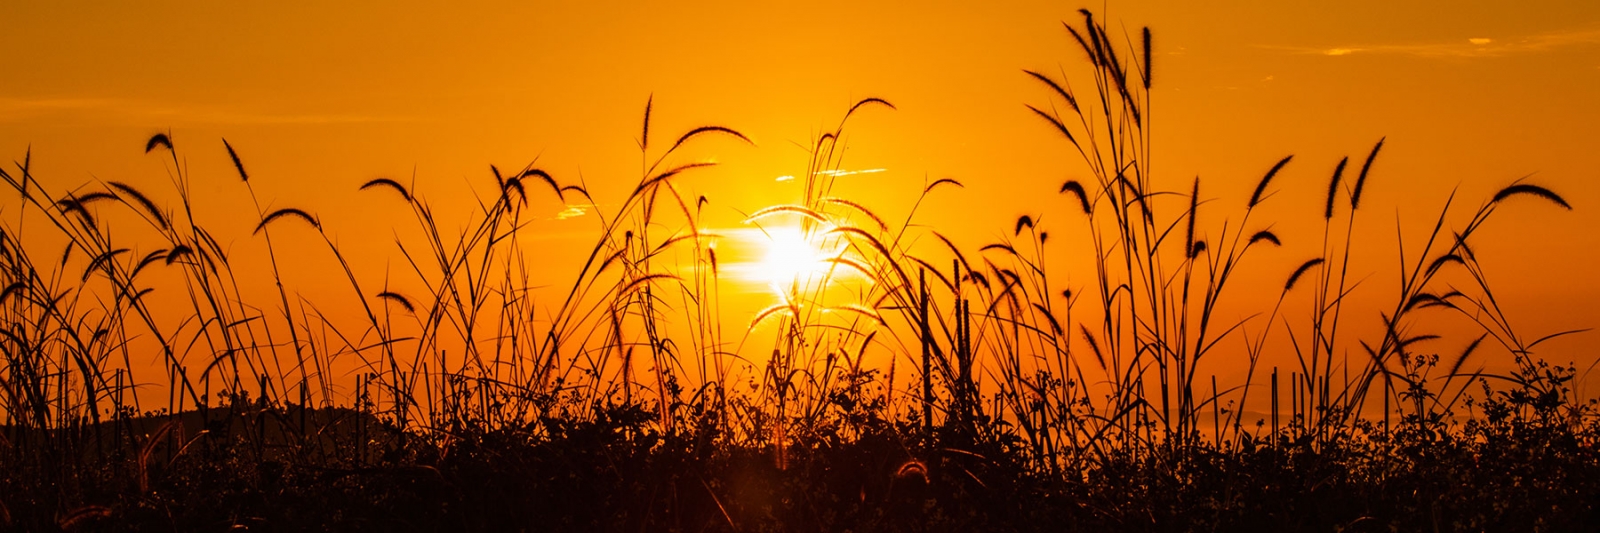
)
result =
(319, 98)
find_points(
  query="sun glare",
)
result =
(791, 259)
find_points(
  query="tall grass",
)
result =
(1155, 319)
(980, 351)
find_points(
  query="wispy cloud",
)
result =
(835, 173)
(18, 108)
(1464, 48)
(850, 172)
(574, 211)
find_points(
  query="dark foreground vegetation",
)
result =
(1522, 467)
(143, 392)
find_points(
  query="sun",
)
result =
(792, 260)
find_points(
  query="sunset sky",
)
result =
(319, 97)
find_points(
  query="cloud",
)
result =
(1465, 48)
(836, 173)
(574, 211)
(17, 108)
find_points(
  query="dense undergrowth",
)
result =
(1520, 468)
(1019, 405)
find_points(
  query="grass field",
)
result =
(906, 386)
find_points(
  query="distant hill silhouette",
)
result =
(274, 430)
